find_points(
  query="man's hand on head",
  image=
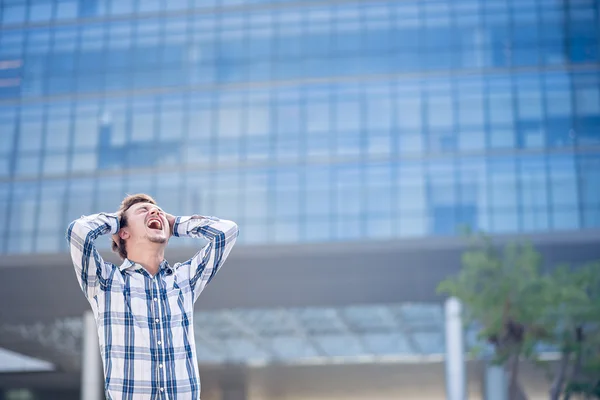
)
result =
(115, 237)
(171, 220)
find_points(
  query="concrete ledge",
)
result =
(43, 287)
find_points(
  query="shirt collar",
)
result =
(164, 265)
(127, 264)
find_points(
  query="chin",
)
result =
(158, 239)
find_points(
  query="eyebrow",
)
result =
(148, 205)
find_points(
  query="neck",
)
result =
(148, 255)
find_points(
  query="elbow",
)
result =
(234, 231)
(70, 230)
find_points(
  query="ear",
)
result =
(124, 233)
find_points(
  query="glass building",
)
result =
(305, 122)
(318, 121)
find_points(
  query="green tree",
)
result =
(578, 331)
(518, 308)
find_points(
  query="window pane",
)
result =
(318, 118)
(58, 133)
(142, 129)
(259, 120)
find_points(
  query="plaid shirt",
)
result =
(145, 322)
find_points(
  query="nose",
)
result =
(154, 211)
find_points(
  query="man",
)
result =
(144, 307)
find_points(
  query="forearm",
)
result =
(220, 233)
(81, 235)
(209, 228)
(91, 226)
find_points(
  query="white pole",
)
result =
(495, 383)
(91, 365)
(455, 352)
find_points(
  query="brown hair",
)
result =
(125, 205)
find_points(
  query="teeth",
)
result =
(152, 223)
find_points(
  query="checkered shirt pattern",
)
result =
(145, 323)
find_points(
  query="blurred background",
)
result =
(350, 140)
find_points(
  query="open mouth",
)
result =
(155, 224)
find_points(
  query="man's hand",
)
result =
(115, 237)
(171, 220)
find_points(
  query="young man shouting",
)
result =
(144, 307)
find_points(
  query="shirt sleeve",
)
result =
(90, 268)
(221, 235)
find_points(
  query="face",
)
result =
(146, 222)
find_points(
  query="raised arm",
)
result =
(89, 265)
(221, 235)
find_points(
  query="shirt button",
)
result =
(156, 320)
(159, 365)
(162, 389)
(155, 299)
(159, 342)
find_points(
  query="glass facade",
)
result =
(303, 122)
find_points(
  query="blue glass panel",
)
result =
(525, 44)
(31, 131)
(589, 181)
(317, 203)
(472, 194)
(318, 229)
(55, 164)
(51, 217)
(504, 221)
(500, 103)
(318, 177)
(500, 39)
(410, 111)
(80, 200)
(349, 191)
(503, 183)
(563, 181)
(90, 61)
(110, 191)
(23, 207)
(286, 232)
(7, 130)
(583, 36)
(4, 213)
(591, 217)
(565, 219)
(413, 224)
(440, 111)
(149, 6)
(379, 110)
(412, 189)
(177, 4)
(535, 221)
(11, 44)
(20, 243)
(120, 6)
(587, 123)
(533, 180)
(256, 231)
(13, 14)
(84, 161)
(258, 120)
(169, 193)
(227, 204)
(40, 11)
(66, 9)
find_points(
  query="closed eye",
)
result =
(145, 208)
